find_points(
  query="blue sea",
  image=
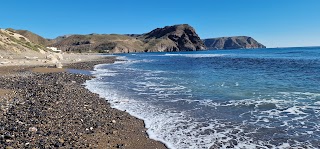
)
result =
(262, 98)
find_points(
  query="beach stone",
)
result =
(58, 144)
(7, 136)
(33, 129)
(114, 132)
(120, 145)
(113, 121)
(30, 58)
(55, 57)
(58, 65)
(5, 62)
(58, 56)
(61, 140)
(9, 147)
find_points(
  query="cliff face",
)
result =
(236, 42)
(174, 38)
(170, 38)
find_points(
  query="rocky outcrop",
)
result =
(174, 38)
(170, 38)
(236, 42)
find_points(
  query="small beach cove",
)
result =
(49, 107)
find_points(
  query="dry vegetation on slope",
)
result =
(100, 43)
(170, 38)
(15, 43)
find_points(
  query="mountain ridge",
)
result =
(167, 39)
(181, 37)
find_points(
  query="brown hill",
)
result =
(236, 42)
(100, 43)
(170, 38)
(32, 37)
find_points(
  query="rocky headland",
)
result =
(236, 42)
(173, 38)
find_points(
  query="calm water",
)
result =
(268, 98)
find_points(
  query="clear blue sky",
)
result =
(275, 23)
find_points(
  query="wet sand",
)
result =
(50, 108)
(4, 92)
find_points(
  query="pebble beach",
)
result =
(43, 107)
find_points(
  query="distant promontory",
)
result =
(236, 42)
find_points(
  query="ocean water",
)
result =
(263, 98)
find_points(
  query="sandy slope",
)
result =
(45, 58)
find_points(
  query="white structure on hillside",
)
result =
(54, 49)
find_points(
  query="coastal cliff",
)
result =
(236, 42)
(174, 38)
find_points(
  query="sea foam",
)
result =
(197, 55)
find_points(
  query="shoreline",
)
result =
(53, 109)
